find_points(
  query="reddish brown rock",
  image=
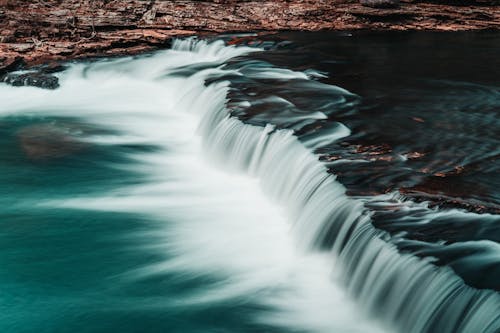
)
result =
(42, 31)
(443, 200)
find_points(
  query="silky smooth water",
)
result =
(136, 230)
(161, 193)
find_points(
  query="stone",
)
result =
(10, 63)
(22, 47)
(383, 4)
(33, 79)
(7, 39)
(73, 29)
(53, 67)
(48, 141)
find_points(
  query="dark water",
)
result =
(433, 97)
(425, 125)
(111, 220)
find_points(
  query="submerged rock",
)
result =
(47, 141)
(380, 3)
(34, 79)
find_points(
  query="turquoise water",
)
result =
(113, 220)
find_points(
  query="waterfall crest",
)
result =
(411, 292)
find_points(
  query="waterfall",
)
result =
(411, 292)
(162, 100)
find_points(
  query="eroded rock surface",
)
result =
(37, 32)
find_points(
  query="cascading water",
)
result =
(303, 257)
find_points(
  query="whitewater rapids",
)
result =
(250, 208)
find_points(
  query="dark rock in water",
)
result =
(34, 79)
(380, 3)
(48, 141)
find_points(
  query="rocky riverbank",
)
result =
(44, 31)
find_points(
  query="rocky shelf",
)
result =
(45, 31)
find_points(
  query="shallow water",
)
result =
(132, 201)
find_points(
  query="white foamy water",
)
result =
(217, 221)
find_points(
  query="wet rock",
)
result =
(380, 3)
(439, 197)
(48, 141)
(8, 64)
(34, 79)
(53, 67)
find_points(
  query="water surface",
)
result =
(195, 189)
